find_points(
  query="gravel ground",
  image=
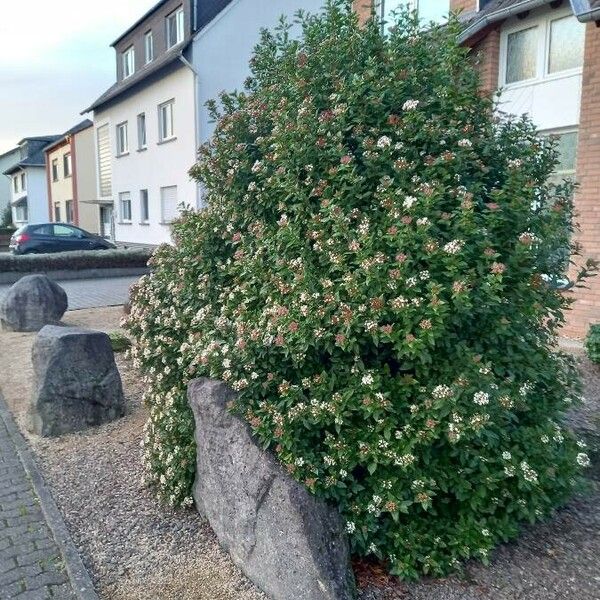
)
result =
(136, 549)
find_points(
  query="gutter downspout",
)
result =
(583, 11)
(190, 66)
(499, 15)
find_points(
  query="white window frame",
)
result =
(16, 183)
(67, 162)
(569, 173)
(122, 139)
(543, 24)
(144, 207)
(148, 47)
(142, 131)
(54, 168)
(125, 198)
(179, 17)
(166, 133)
(69, 208)
(128, 62)
(163, 219)
(22, 212)
(23, 182)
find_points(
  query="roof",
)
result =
(85, 124)
(35, 156)
(498, 10)
(166, 59)
(9, 152)
(140, 20)
(207, 10)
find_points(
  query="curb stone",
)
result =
(78, 575)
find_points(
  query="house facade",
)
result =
(149, 125)
(543, 57)
(71, 178)
(29, 191)
(144, 127)
(7, 160)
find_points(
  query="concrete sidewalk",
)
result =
(93, 293)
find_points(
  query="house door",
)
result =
(106, 222)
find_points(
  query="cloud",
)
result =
(55, 60)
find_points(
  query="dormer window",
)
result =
(128, 62)
(149, 47)
(175, 28)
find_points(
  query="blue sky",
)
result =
(55, 60)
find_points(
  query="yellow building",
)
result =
(71, 175)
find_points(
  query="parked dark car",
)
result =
(42, 238)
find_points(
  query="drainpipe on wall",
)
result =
(190, 66)
(74, 180)
(584, 12)
(49, 188)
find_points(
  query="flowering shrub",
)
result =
(592, 343)
(369, 275)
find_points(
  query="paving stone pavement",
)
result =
(92, 293)
(31, 567)
(38, 560)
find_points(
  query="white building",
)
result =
(29, 191)
(149, 124)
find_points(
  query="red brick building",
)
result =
(543, 56)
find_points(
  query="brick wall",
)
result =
(486, 53)
(363, 8)
(464, 5)
(586, 309)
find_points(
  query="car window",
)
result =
(42, 230)
(65, 231)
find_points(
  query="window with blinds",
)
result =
(104, 162)
(168, 200)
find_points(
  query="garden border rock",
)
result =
(290, 543)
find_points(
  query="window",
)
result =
(144, 209)
(125, 207)
(104, 162)
(57, 212)
(141, 125)
(175, 28)
(149, 47)
(69, 211)
(567, 41)
(128, 62)
(67, 164)
(66, 231)
(55, 169)
(521, 55)
(168, 201)
(165, 120)
(21, 212)
(428, 10)
(16, 184)
(550, 47)
(23, 184)
(122, 139)
(566, 145)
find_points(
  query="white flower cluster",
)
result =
(410, 105)
(481, 398)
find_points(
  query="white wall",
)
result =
(37, 195)
(552, 101)
(161, 164)
(222, 50)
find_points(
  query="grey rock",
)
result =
(31, 303)
(288, 542)
(77, 384)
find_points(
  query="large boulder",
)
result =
(77, 384)
(31, 303)
(287, 541)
